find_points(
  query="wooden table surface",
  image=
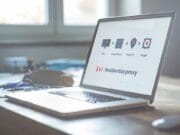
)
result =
(15, 119)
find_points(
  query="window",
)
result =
(84, 12)
(57, 20)
(23, 12)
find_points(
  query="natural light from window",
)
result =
(84, 12)
(23, 12)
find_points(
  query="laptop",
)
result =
(122, 69)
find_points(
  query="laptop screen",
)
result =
(126, 54)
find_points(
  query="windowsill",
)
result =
(42, 43)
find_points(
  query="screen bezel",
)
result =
(137, 17)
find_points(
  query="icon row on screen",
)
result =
(120, 42)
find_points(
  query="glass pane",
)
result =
(23, 12)
(84, 12)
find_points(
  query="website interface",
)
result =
(126, 54)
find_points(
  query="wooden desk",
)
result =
(15, 119)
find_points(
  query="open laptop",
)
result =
(122, 69)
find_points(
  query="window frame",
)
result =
(55, 30)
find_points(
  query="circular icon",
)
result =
(147, 43)
(133, 42)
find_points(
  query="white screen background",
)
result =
(144, 61)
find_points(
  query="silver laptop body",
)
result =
(122, 69)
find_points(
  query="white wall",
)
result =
(172, 59)
(41, 52)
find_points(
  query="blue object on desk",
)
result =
(25, 86)
(16, 85)
(62, 64)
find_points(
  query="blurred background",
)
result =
(35, 32)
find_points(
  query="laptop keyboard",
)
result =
(86, 96)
